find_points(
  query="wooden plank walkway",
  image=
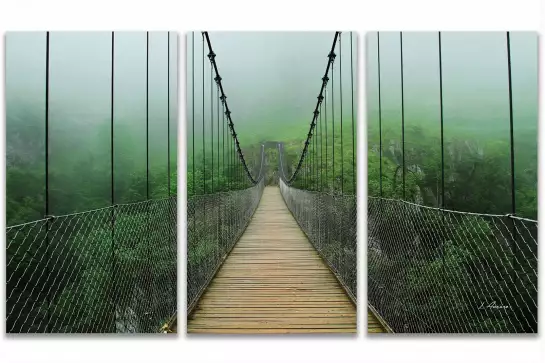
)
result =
(273, 282)
(373, 324)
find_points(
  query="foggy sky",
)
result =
(80, 79)
(475, 78)
(271, 79)
(80, 100)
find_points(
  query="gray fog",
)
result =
(475, 79)
(80, 104)
(271, 79)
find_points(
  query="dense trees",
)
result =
(91, 271)
(434, 271)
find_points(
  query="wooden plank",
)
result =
(273, 282)
(373, 324)
(271, 331)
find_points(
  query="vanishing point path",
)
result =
(273, 281)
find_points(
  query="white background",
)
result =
(186, 15)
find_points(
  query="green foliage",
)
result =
(451, 263)
(472, 164)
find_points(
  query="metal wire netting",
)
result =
(215, 222)
(110, 270)
(330, 223)
(432, 270)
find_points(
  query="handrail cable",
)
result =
(212, 57)
(316, 112)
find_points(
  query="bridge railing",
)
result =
(109, 270)
(330, 223)
(435, 270)
(215, 222)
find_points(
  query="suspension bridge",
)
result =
(272, 232)
(111, 268)
(439, 261)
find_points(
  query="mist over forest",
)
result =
(476, 118)
(271, 80)
(79, 120)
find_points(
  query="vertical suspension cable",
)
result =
(312, 162)
(147, 115)
(212, 123)
(112, 188)
(112, 125)
(341, 100)
(310, 167)
(442, 205)
(353, 141)
(232, 162)
(203, 127)
(48, 297)
(321, 152)
(220, 224)
(379, 116)
(150, 308)
(218, 132)
(311, 170)
(305, 175)
(316, 160)
(514, 247)
(223, 136)
(442, 124)
(168, 111)
(325, 125)
(402, 114)
(511, 130)
(193, 106)
(333, 123)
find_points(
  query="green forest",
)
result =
(441, 258)
(477, 168)
(80, 177)
(92, 264)
(329, 162)
(220, 194)
(452, 207)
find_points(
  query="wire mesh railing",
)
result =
(317, 198)
(215, 222)
(330, 223)
(432, 270)
(109, 270)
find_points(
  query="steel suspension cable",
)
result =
(223, 136)
(341, 99)
(333, 178)
(321, 152)
(212, 56)
(112, 185)
(147, 115)
(168, 111)
(353, 141)
(148, 214)
(402, 114)
(326, 140)
(203, 127)
(218, 133)
(316, 112)
(511, 130)
(442, 124)
(48, 224)
(316, 161)
(442, 205)
(514, 246)
(379, 116)
(212, 125)
(193, 106)
(326, 147)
